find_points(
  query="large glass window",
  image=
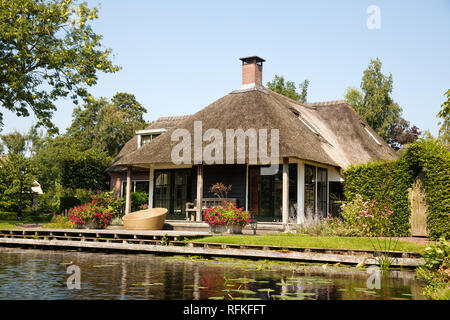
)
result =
(136, 186)
(316, 190)
(322, 191)
(310, 190)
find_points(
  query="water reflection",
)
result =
(37, 274)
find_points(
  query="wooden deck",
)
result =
(175, 242)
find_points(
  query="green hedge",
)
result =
(5, 215)
(388, 182)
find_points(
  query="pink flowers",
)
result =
(90, 212)
(226, 215)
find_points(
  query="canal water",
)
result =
(43, 274)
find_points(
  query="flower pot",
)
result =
(217, 228)
(235, 229)
(87, 225)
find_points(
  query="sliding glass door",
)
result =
(172, 190)
(265, 192)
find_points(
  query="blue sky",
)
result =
(179, 56)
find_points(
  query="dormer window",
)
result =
(145, 136)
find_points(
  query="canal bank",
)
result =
(183, 243)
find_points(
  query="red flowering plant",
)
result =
(228, 214)
(90, 213)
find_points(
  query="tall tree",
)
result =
(15, 142)
(108, 125)
(289, 89)
(48, 50)
(376, 106)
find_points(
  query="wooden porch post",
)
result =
(151, 186)
(285, 197)
(128, 192)
(199, 192)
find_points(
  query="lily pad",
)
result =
(244, 291)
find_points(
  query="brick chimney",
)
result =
(252, 71)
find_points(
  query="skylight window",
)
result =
(309, 126)
(370, 134)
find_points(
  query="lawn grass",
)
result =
(296, 240)
(9, 224)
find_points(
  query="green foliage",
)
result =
(433, 159)
(85, 170)
(15, 142)
(68, 202)
(435, 255)
(288, 88)
(388, 182)
(48, 50)
(108, 125)
(10, 182)
(444, 130)
(138, 199)
(5, 215)
(110, 202)
(436, 271)
(59, 222)
(368, 216)
(376, 106)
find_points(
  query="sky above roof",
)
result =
(179, 56)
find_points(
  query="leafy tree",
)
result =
(444, 130)
(85, 170)
(85, 120)
(10, 182)
(376, 106)
(62, 163)
(108, 125)
(48, 50)
(289, 89)
(15, 142)
(401, 133)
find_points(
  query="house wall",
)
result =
(233, 175)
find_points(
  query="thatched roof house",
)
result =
(315, 142)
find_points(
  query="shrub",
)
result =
(110, 202)
(436, 254)
(138, 199)
(227, 214)
(59, 222)
(8, 215)
(90, 212)
(436, 271)
(368, 216)
(67, 202)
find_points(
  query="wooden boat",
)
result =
(148, 219)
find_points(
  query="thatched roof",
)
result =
(329, 133)
(132, 144)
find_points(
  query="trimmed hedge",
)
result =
(388, 182)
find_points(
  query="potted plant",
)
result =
(228, 218)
